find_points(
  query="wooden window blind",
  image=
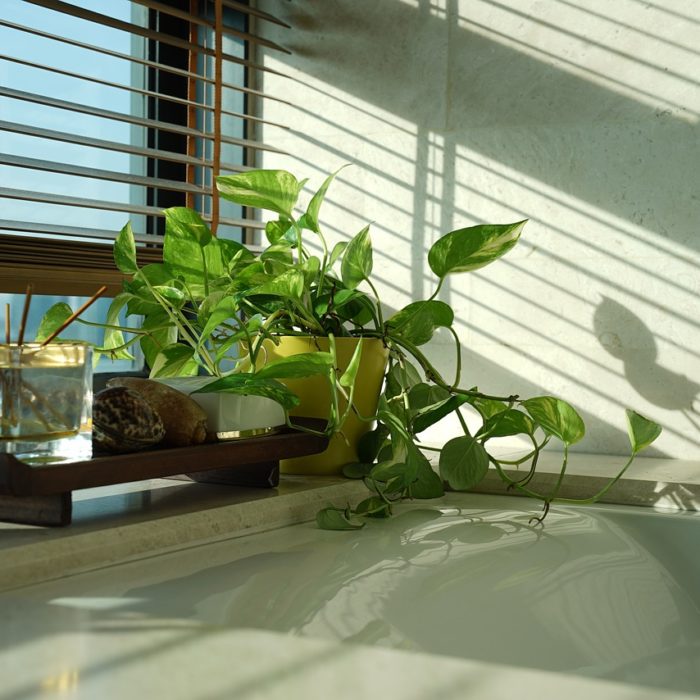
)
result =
(110, 112)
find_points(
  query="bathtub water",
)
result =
(604, 591)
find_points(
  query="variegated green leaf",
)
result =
(642, 431)
(556, 417)
(471, 248)
(274, 190)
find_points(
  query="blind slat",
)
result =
(70, 231)
(116, 146)
(113, 146)
(70, 200)
(255, 12)
(127, 208)
(127, 118)
(109, 83)
(135, 29)
(96, 173)
(152, 64)
(97, 111)
(202, 22)
(231, 4)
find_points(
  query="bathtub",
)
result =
(603, 592)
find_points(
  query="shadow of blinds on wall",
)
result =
(111, 112)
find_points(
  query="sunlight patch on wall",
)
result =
(438, 8)
(590, 230)
(587, 305)
(325, 98)
(597, 42)
(512, 109)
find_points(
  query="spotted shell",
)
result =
(122, 421)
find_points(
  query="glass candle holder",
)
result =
(46, 402)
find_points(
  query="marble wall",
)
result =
(579, 115)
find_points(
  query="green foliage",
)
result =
(556, 417)
(642, 431)
(506, 423)
(470, 248)
(52, 320)
(125, 251)
(401, 378)
(348, 377)
(210, 295)
(373, 507)
(274, 190)
(312, 210)
(426, 417)
(187, 224)
(305, 364)
(463, 463)
(357, 259)
(175, 361)
(113, 341)
(337, 519)
(288, 285)
(250, 384)
(427, 484)
(418, 321)
(158, 334)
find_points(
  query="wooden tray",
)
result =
(42, 494)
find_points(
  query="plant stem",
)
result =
(404, 393)
(463, 423)
(478, 394)
(458, 346)
(254, 348)
(333, 382)
(324, 262)
(375, 317)
(562, 471)
(117, 348)
(378, 306)
(306, 429)
(513, 483)
(297, 231)
(205, 270)
(437, 289)
(311, 323)
(603, 491)
(430, 448)
(124, 329)
(434, 376)
(184, 327)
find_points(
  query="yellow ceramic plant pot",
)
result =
(316, 398)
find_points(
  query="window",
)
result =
(112, 111)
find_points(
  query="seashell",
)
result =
(123, 421)
(184, 419)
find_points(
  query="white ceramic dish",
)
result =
(231, 416)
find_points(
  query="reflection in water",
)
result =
(599, 592)
(61, 683)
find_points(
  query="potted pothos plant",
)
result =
(213, 307)
(335, 295)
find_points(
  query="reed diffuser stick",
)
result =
(75, 315)
(8, 337)
(25, 314)
(8, 414)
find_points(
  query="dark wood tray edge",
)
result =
(20, 479)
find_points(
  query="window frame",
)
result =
(61, 266)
